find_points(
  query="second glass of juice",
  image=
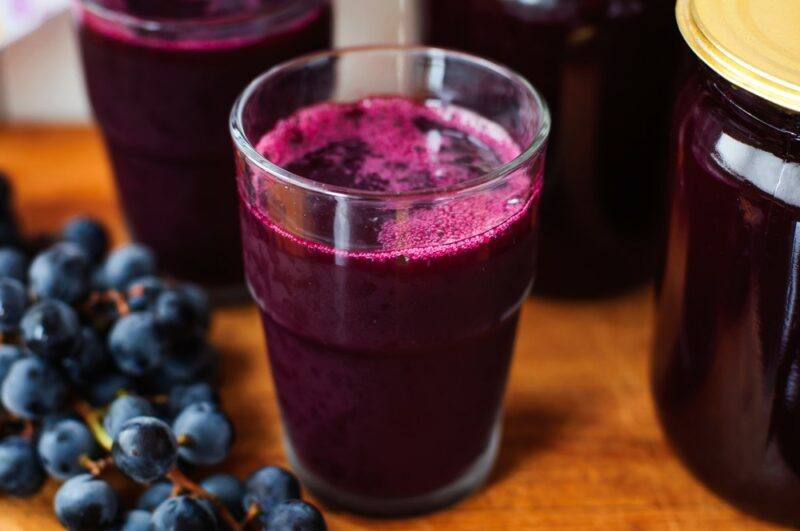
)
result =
(389, 203)
(161, 77)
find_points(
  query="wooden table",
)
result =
(582, 447)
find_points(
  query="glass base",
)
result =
(472, 479)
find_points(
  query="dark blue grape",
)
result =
(8, 355)
(89, 235)
(62, 445)
(199, 300)
(87, 360)
(85, 503)
(13, 264)
(154, 496)
(183, 513)
(294, 515)
(20, 472)
(269, 486)
(136, 344)
(175, 315)
(105, 387)
(145, 449)
(62, 272)
(124, 409)
(143, 292)
(182, 396)
(127, 264)
(13, 301)
(207, 432)
(51, 329)
(50, 421)
(191, 361)
(228, 490)
(214, 510)
(33, 389)
(137, 520)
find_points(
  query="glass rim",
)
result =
(533, 148)
(190, 24)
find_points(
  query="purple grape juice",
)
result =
(162, 77)
(390, 363)
(726, 367)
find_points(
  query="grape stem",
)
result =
(92, 418)
(137, 290)
(109, 296)
(181, 482)
(252, 513)
(159, 399)
(95, 467)
(28, 429)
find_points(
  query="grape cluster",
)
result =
(103, 364)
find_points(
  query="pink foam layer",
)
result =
(428, 246)
(398, 151)
(403, 156)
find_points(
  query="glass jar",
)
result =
(606, 69)
(726, 371)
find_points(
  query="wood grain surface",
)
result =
(582, 447)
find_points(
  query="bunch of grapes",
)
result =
(103, 365)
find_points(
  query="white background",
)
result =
(41, 79)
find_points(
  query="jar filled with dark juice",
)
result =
(162, 78)
(607, 69)
(726, 371)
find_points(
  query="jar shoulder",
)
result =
(735, 135)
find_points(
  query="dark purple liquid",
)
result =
(727, 363)
(607, 70)
(390, 364)
(163, 106)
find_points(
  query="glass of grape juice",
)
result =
(389, 203)
(161, 77)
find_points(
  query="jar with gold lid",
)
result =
(607, 69)
(726, 371)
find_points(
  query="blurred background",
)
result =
(40, 71)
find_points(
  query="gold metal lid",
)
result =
(754, 44)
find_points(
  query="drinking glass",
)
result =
(390, 317)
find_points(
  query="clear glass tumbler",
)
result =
(390, 315)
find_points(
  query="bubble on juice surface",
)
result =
(398, 146)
